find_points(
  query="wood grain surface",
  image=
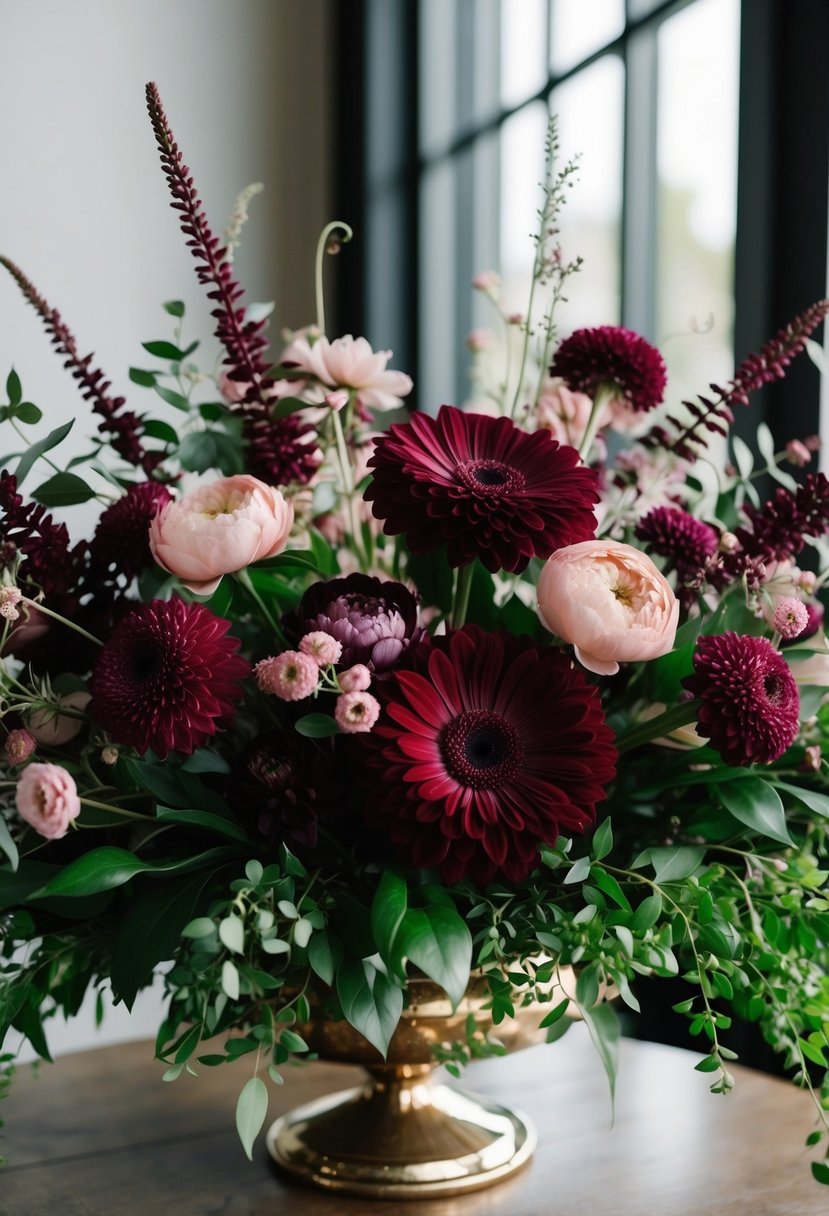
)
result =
(99, 1134)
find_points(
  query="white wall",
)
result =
(84, 205)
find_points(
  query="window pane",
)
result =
(698, 53)
(438, 80)
(573, 36)
(590, 109)
(439, 286)
(523, 36)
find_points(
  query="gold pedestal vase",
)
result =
(405, 1135)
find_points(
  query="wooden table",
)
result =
(99, 1134)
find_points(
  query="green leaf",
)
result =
(202, 819)
(602, 840)
(7, 845)
(370, 1002)
(28, 413)
(177, 400)
(317, 726)
(438, 941)
(286, 406)
(36, 450)
(150, 931)
(175, 308)
(139, 376)
(232, 934)
(166, 350)
(387, 911)
(672, 864)
(647, 914)
(108, 867)
(553, 1016)
(708, 1064)
(230, 980)
(63, 490)
(578, 871)
(14, 389)
(154, 428)
(293, 1041)
(819, 803)
(610, 885)
(603, 1024)
(320, 957)
(251, 1110)
(756, 804)
(820, 1172)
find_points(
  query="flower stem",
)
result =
(643, 732)
(322, 245)
(604, 393)
(63, 620)
(463, 586)
(116, 810)
(246, 583)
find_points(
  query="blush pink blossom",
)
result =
(52, 727)
(291, 676)
(350, 362)
(610, 601)
(220, 528)
(566, 414)
(337, 400)
(356, 712)
(19, 746)
(487, 281)
(47, 798)
(789, 617)
(797, 453)
(478, 340)
(356, 679)
(322, 648)
(10, 597)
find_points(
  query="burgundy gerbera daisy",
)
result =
(167, 677)
(121, 544)
(615, 357)
(749, 704)
(488, 747)
(481, 486)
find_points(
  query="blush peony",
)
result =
(610, 601)
(47, 798)
(218, 529)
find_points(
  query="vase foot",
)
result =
(401, 1137)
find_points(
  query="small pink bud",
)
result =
(10, 597)
(797, 453)
(356, 712)
(322, 648)
(291, 676)
(19, 746)
(790, 617)
(487, 281)
(807, 581)
(728, 542)
(336, 401)
(515, 318)
(479, 340)
(812, 759)
(356, 679)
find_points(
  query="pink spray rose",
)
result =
(47, 798)
(350, 362)
(220, 528)
(610, 601)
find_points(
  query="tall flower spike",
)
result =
(123, 426)
(715, 414)
(278, 450)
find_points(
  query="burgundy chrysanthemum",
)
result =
(375, 620)
(686, 542)
(487, 747)
(287, 785)
(749, 704)
(280, 452)
(612, 355)
(167, 677)
(483, 487)
(121, 544)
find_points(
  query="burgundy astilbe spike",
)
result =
(714, 414)
(270, 442)
(123, 425)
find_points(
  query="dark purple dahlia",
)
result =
(375, 620)
(167, 678)
(486, 748)
(748, 699)
(121, 544)
(481, 486)
(616, 357)
(686, 543)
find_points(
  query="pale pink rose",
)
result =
(219, 528)
(322, 647)
(47, 798)
(356, 679)
(356, 712)
(350, 362)
(52, 728)
(19, 746)
(565, 414)
(291, 676)
(610, 601)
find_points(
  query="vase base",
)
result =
(402, 1139)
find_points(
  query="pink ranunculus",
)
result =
(47, 798)
(566, 414)
(610, 601)
(53, 728)
(355, 679)
(356, 712)
(221, 527)
(350, 362)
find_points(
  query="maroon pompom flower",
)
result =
(686, 542)
(749, 704)
(481, 486)
(488, 747)
(614, 356)
(121, 544)
(375, 620)
(167, 677)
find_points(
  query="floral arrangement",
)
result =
(320, 705)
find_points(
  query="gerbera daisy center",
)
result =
(481, 749)
(490, 475)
